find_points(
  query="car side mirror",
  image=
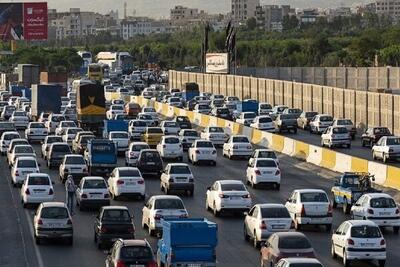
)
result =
(109, 252)
(39, 164)
(357, 204)
(52, 182)
(245, 213)
(209, 188)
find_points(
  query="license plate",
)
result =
(384, 213)
(266, 172)
(194, 265)
(54, 224)
(367, 245)
(278, 226)
(151, 163)
(95, 195)
(136, 265)
(206, 152)
(130, 183)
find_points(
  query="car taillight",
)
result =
(69, 222)
(51, 191)
(119, 182)
(106, 195)
(171, 180)
(249, 147)
(84, 196)
(263, 225)
(277, 172)
(191, 180)
(164, 146)
(235, 147)
(303, 211)
(131, 154)
(246, 196)
(157, 216)
(350, 242)
(16, 173)
(131, 230)
(397, 211)
(103, 229)
(197, 151)
(40, 222)
(383, 242)
(140, 182)
(214, 152)
(85, 170)
(292, 225)
(370, 211)
(258, 172)
(390, 150)
(180, 145)
(152, 264)
(27, 192)
(120, 263)
(223, 196)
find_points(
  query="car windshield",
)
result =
(339, 130)
(264, 120)
(294, 242)
(168, 204)
(36, 125)
(313, 197)
(134, 253)
(216, 130)
(233, 187)
(204, 144)
(39, 180)
(381, 130)
(54, 213)
(154, 131)
(266, 163)
(172, 140)
(365, 231)
(240, 139)
(116, 216)
(179, 169)
(94, 184)
(75, 160)
(170, 124)
(344, 122)
(119, 135)
(23, 149)
(275, 212)
(190, 133)
(393, 141)
(129, 173)
(382, 202)
(326, 118)
(26, 164)
(267, 154)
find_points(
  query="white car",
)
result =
(387, 148)
(177, 177)
(22, 167)
(126, 181)
(20, 151)
(150, 111)
(228, 195)
(264, 108)
(246, 118)
(114, 110)
(170, 127)
(132, 154)
(170, 147)
(232, 100)
(265, 219)
(64, 125)
(237, 145)
(202, 151)
(379, 208)
(359, 240)
(92, 192)
(187, 137)
(263, 171)
(14, 142)
(214, 134)
(174, 101)
(36, 131)
(48, 140)
(320, 122)
(161, 206)
(263, 123)
(202, 108)
(73, 164)
(5, 140)
(349, 126)
(52, 220)
(37, 188)
(148, 118)
(298, 261)
(136, 128)
(53, 121)
(264, 153)
(20, 119)
(336, 136)
(70, 133)
(121, 140)
(310, 206)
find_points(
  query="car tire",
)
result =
(346, 206)
(70, 241)
(396, 229)
(245, 234)
(328, 227)
(381, 263)
(38, 240)
(256, 243)
(333, 253)
(216, 212)
(346, 262)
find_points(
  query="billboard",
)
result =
(23, 21)
(217, 63)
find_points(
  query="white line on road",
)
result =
(37, 252)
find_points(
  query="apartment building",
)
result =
(242, 10)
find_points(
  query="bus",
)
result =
(120, 62)
(95, 72)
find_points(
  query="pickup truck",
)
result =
(101, 156)
(175, 249)
(349, 187)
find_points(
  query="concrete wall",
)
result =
(364, 108)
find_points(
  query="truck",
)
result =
(191, 91)
(45, 98)
(114, 125)
(349, 187)
(91, 106)
(187, 242)
(23, 91)
(101, 156)
(28, 74)
(247, 105)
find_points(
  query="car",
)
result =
(20, 119)
(121, 140)
(217, 103)
(263, 220)
(126, 181)
(170, 127)
(148, 118)
(112, 223)
(14, 142)
(387, 148)
(132, 109)
(5, 140)
(80, 142)
(237, 146)
(7, 112)
(202, 108)
(149, 162)
(286, 122)
(136, 128)
(36, 131)
(132, 154)
(20, 151)
(22, 167)
(264, 153)
(293, 111)
(70, 133)
(75, 165)
(214, 134)
(380, 208)
(285, 245)
(183, 122)
(6, 126)
(122, 117)
(64, 100)
(303, 121)
(48, 140)
(263, 172)
(336, 136)
(53, 121)
(227, 195)
(293, 262)
(113, 110)
(52, 220)
(43, 117)
(175, 101)
(263, 123)
(161, 206)
(177, 177)
(348, 124)
(276, 110)
(150, 111)
(310, 207)
(92, 192)
(232, 100)
(56, 154)
(37, 188)
(246, 118)
(202, 151)
(264, 108)
(187, 137)
(170, 147)
(320, 122)
(221, 112)
(131, 252)
(359, 240)
(63, 126)
(372, 135)
(152, 136)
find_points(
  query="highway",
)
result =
(232, 249)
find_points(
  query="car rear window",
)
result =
(139, 252)
(74, 130)
(382, 130)
(154, 130)
(86, 138)
(117, 107)
(23, 149)
(75, 160)
(294, 242)
(119, 135)
(339, 130)
(39, 180)
(287, 116)
(116, 216)
(313, 197)
(36, 125)
(26, 164)
(182, 119)
(216, 130)
(344, 122)
(267, 154)
(54, 213)
(365, 231)
(61, 149)
(172, 140)
(305, 264)
(145, 117)
(129, 173)
(266, 163)
(240, 139)
(94, 184)
(139, 123)
(139, 147)
(168, 204)
(190, 133)
(170, 124)
(264, 120)
(265, 106)
(54, 139)
(180, 170)
(233, 187)
(382, 202)
(57, 118)
(150, 156)
(326, 118)
(68, 124)
(11, 136)
(204, 144)
(249, 115)
(275, 212)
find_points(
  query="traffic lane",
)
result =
(356, 149)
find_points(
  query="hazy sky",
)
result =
(160, 8)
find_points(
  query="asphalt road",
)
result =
(18, 248)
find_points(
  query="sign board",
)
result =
(23, 21)
(217, 63)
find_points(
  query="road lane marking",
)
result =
(37, 252)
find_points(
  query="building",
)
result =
(182, 14)
(242, 10)
(389, 8)
(134, 26)
(308, 15)
(270, 17)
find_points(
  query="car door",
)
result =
(250, 168)
(358, 208)
(165, 175)
(147, 209)
(254, 221)
(336, 237)
(79, 191)
(249, 220)
(291, 204)
(211, 193)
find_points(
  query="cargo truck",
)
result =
(187, 242)
(114, 125)
(45, 98)
(101, 156)
(28, 74)
(191, 91)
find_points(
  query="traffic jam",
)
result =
(88, 156)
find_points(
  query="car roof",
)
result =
(361, 222)
(239, 135)
(376, 195)
(166, 197)
(270, 205)
(301, 260)
(93, 178)
(289, 234)
(264, 150)
(125, 168)
(54, 204)
(115, 208)
(230, 182)
(139, 143)
(118, 132)
(177, 164)
(73, 156)
(310, 190)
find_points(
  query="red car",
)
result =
(132, 109)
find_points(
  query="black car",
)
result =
(149, 162)
(373, 134)
(131, 253)
(111, 223)
(183, 122)
(222, 113)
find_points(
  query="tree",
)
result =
(290, 22)
(390, 55)
(251, 24)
